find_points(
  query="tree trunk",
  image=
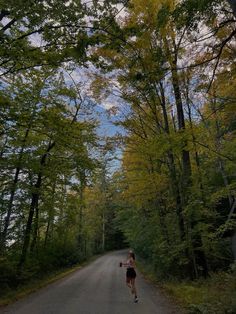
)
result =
(172, 168)
(33, 206)
(194, 254)
(103, 231)
(201, 257)
(3, 147)
(13, 189)
(50, 216)
(35, 229)
(3, 13)
(9, 210)
(162, 220)
(181, 125)
(81, 210)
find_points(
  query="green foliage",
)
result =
(216, 295)
(9, 277)
(46, 165)
(176, 189)
(189, 12)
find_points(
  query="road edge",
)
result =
(151, 279)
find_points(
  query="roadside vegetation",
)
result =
(214, 295)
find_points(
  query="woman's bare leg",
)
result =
(128, 282)
(134, 290)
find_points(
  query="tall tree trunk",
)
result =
(50, 216)
(13, 189)
(162, 215)
(105, 205)
(103, 231)
(202, 260)
(3, 147)
(193, 247)
(35, 229)
(81, 210)
(9, 210)
(173, 58)
(198, 252)
(172, 168)
(2, 212)
(197, 160)
(3, 13)
(35, 197)
(181, 125)
(33, 206)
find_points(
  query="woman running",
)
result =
(131, 274)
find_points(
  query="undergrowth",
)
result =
(214, 295)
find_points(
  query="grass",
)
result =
(36, 284)
(214, 295)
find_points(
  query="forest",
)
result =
(117, 129)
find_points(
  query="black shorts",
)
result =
(130, 273)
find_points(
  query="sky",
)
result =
(107, 111)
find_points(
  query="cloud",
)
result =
(107, 105)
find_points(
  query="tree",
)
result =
(145, 52)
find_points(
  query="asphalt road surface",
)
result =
(98, 288)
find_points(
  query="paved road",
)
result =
(98, 288)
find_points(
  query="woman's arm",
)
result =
(130, 263)
(125, 264)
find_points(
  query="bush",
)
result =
(8, 275)
(215, 295)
